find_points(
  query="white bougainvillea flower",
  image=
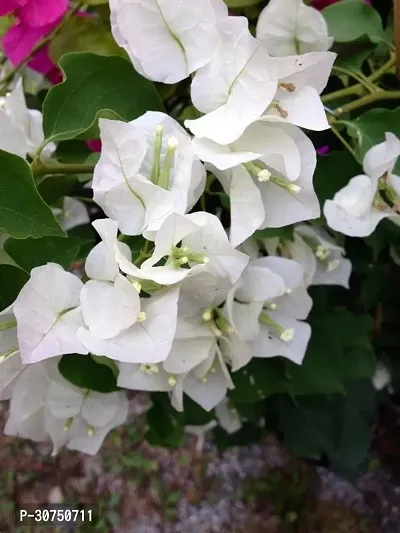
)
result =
(357, 209)
(228, 417)
(301, 81)
(290, 27)
(167, 40)
(81, 419)
(267, 174)
(197, 241)
(271, 315)
(235, 88)
(148, 340)
(10, 360)
(48, 314)
(21, 130)
(271, 344)
(146, 171)
(73, 213)
(26, 413)
(207, 384)
(316, 251)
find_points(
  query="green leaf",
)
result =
(12, 279)
(52, 189)
(95, 86)
(83, 34)
(260, 379)
(247, 434)
(285, 233)
(369, 129)
(339, 349)
(23, 212)
(352, 56)
(349, 20)
(31, 253)
(241, 3)
(84, 372)
(333, 172)
(165, 424)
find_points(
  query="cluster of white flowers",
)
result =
(192, 308)
(357, 209)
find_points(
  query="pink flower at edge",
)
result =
(94, 145)
(19, 41)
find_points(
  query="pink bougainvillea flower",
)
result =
(35, 12)
(19, 41)
(94, 145)
(323, 150)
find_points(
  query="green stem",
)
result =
(363, 80)
(343, 141)
(42, 169)
(358, 89)
(367, 100)
(37, 47)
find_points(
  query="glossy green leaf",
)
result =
(165, 424)
(349, 20)
(260, 379)
(84, 372)
(333, 172)
(23, 213)
(31, 253)
(369, 129)
(95, 86)
(12, 279)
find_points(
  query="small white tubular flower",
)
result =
(80, 419)
(167, 40)
(228, 417)
(21, 130)
(357, 209)
(204, 246)
(236, 87)
(290, 27)
(331, 268)
(148, 340)
(267, 174)
(301, 80)
(73, 214)
(48, 314)
(382, 377)
(146, 171)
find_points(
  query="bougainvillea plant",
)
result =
(233, 247)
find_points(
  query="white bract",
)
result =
(267, 174)
(72, 214)
(188, 245)
(236, 87)
(46, 406)
(48, 314)
(21, 130)
(10, 360)
(301, 81)
(317, 252)
(289, 27)
(194, 365)
(147, 170)
(270, 321)
(357, 209)
(167, 40)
